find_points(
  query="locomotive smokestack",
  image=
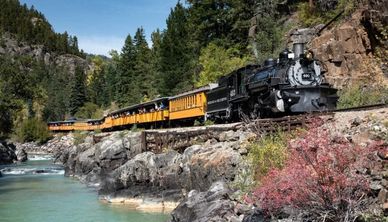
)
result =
(298, 49)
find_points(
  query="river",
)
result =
(38, 191)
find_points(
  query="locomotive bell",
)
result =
(309, 55)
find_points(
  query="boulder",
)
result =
(85, 162)
(202, 167)
(7, 153)
(255, 215)
(212, 205)
(21, 155)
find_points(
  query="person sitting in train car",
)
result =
(162, 106)
(157, 108)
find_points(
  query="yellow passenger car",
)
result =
(190, 104)
(67, 125)
(149, 112)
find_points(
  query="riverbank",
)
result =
(37, 191)
(116, 166)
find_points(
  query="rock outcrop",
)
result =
(211, 205)
(90, 161)
(7, 153)
(350, 51)
(11, 47)
(116, 164)
(21, 155)
(197, 168)
(53, 146)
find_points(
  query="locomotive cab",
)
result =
(223, 101)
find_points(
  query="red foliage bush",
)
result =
(321, 177)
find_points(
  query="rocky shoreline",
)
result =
(115, 165)
(123, 174)
(197, 182)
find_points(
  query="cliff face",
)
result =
(356, 49)
(11, 47)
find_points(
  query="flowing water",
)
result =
(38, 191)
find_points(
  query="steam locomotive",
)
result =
(294, 83)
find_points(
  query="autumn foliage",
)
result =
(321, 176)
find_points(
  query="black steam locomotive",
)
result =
(294, 83)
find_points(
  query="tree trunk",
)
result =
(311, 5)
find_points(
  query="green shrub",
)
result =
(310, 17)
(208, 123)
(33, 130)
(89, 111)
(134, 128)
(203, 123)
(307, 17)
(267, 153)
(79, 137)
(359, 95)
(197, 123)
(97, 131)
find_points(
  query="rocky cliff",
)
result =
(356, 49)
(11, 47)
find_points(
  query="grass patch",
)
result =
(360, 95)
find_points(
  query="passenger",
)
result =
(162, 106)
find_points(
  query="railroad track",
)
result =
(363, 108)
(158, 141)
(359, 108)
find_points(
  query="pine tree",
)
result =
(59, 89)
(125, 73)
(78, 91)
(111, 73)
(144, 78)
(177, 53)
(223, 22)
(156, 38)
